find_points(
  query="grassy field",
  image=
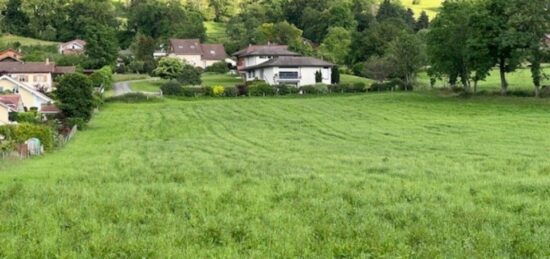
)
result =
(351, 79)
(129, 77)
(392, 174)
(519, 80)
(9, 39)
(215, 32)
(430, 6)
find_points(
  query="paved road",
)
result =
(122, 88)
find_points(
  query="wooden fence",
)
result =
(22, 150)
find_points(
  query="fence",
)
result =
(22, 151)
(69, 136)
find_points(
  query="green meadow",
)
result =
(371, 175)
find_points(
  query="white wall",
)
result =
(194, 60)
(38, 80)
(255, 60)
(306, 75)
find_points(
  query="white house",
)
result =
(30, 98)
(74, 47)
(193, 52)
(36, 74)
(256, 54)
(292, 70)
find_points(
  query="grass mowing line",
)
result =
(410, 173)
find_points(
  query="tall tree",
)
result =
(407, 53)
(101, 47)
(75, 92)
(423, 21)
(336, 46)
(15, 20)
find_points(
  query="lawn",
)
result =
(208, 79)
(129, 77)
(373, 175)
(518, 80)
(9, 39)
(351, 79)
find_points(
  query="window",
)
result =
(288, 75)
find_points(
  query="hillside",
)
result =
(430, 6)
(9, 39)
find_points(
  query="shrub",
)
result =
(545, 91)
(286, 89)
(193, 91)
(314, 89)
(231, 92)
(359, 87)
(335, 88)
(26, 117)
(75, 91)
(321, 88)
(335, 75)
(190, 75)
(132, 98)
(79, 122)
(218, 91)
(260, 88)
(26, 131)
(318, 77)
(242, 90)
(102, 77)
(206, 90)
(218, 67)
(172, 88)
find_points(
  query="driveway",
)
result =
(122, 88)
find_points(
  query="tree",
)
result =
(102, 77)
(423, 21)
(318, 76)
(15, 20)
(379, 68)
(335, 75)
(143, 49)
(189, 75)
(492, 31)
(409, 19)
(389, 9)
(407, 54)
(75, 92)
(101, 47)
(336, 46)
(169, 68)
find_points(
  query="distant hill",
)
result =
(9, 39)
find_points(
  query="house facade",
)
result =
(74, 47)
(276, 65)
(29, 97)
(4, 114)
(193, 52)
(36, 74)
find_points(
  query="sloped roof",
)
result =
(77, 41)
(10, 53)
(265, 50)
(213, 52)
(49, 108)
(289, 61)
(64, 70)
(27, 88)
(186, 47)
(11, 100)
(30, 67)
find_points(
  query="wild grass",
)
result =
(8, 39)
(430, 6)
(374, 175)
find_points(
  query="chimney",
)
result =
(47, 61)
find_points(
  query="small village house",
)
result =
(10, 55)
(193, 52)
(39, 75)
(29, 97)
(74, 47)
(276, 65)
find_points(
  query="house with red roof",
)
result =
(10, 55)
(193, 52)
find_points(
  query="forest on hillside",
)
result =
(379, 39)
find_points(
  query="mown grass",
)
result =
(208, 79)
(129, 77)
(391, 174)
(351, 79)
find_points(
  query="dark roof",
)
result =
(286, 61)
(30, 67)
(213, 52)
(64, 70)
(186, 47)
(265, 50)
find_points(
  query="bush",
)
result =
(193, 91)
(102, 77)
(231, 92)
(79, 122)
(26, 131)
(132, 98)
(242, 90)
(218, 91)
(75, 92)
(314, 89)
(218, 67)
(172, 88)
(286, 89)
(359, 87)
(190, 75)
(26, 117)
(335, 88)
(260, 88)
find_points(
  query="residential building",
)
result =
(193, 52)
(9, 103)
(36, 74)
(29, 97)
(4, 114)
(291, 70)
(275, 65)
(256, 54)
(10, 55)
(74, 47)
